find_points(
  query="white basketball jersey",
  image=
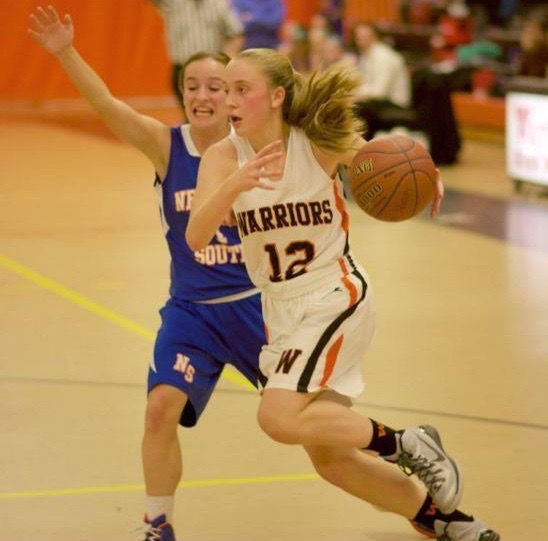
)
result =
(295, 237)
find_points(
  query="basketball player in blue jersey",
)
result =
(278, 173)
(211, 296)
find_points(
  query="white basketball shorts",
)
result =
(318, 340)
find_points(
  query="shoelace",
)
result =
(423, 469)
(150, 533)
(153, 534)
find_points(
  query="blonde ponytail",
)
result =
(321, 105)
(323, 108)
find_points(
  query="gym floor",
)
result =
(462, 343)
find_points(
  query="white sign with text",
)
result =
(527, 137)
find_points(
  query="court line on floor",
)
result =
(235, 481)
(91, 306)
(253, 392)
(229, 373)
(449, 415)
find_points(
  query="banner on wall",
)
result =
(527, 136)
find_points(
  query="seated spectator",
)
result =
(417, 12)
(499, 12)
(262, 21)
(386, 85)
(294, 44)
(318, 32)
(479, 64)
(455, 28)
(532, 57)
(333, 52)
(333, 11)
(480, 50)
(392, 97)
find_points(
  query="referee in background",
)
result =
(198, 25)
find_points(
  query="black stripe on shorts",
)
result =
(304, 380)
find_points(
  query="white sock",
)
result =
(159, 505)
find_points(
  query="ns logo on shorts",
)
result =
(182, 364)
(287, 360)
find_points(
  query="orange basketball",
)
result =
(393, 178)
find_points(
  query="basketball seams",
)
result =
(393, 193)
(415, 183)
(397, 142)
(356, 192)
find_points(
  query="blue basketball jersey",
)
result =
(215, 271)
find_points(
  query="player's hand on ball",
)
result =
(440, 190)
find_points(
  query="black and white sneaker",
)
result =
(422, 454)
(458, 530)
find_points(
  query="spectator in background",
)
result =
(386, 85)
(499, 12)
(334, 52)
(532, 58)
(455, 28)
(294, 44)
(391, 96)
(262, 21)
(333, 11)
(480, 63)
(421, 13)
(319, 30)
(191, 27)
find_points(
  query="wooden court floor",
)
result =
(462, 343)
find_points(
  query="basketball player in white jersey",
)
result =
(278, 174)
(189, 353)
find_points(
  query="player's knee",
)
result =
(162, 415)
(156, 417)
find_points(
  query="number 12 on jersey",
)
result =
(302, 250)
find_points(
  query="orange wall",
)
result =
(301, 10)
(122, 39)
(375, 11)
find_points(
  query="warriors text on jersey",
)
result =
(295, 237)
(216, 271)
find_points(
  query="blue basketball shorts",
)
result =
(194, 343)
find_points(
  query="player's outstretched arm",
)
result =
(145, 133)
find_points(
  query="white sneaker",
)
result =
(422, 454)
(460, 530)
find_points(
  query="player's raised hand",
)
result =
(266, 166)
(48, 30)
